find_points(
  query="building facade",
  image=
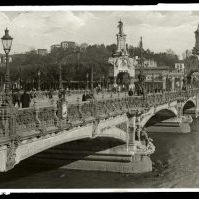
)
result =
(68, 44)
(42, 52)
(55, 46)
(180, 67)
(150, 63)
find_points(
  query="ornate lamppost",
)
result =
(103, 78)
(39, 86)
(60, 77)
(92, 79)
(86, 81)
(141, 76)
(7, 43)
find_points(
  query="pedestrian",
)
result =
(25, 99)
(60, 93)
(17, 99)
(50, 95)
(130, 93)
(64, 93)
(84, 97)
(13, 97)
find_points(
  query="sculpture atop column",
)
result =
(121, 40)
(195, 50)
(120, 27)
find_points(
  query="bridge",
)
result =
(29, 131)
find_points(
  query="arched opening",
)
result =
(189, 104)
(161, 115)
(123, 79)
(66, 153)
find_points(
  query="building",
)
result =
(154, 77)
(150, 63)
(83, 46)
(55, 46)
(68, 44)
(42, 51)
(179, 67)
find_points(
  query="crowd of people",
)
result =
(21, 99)
(87, 96)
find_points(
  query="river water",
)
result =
(176, 165)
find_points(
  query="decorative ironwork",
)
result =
(123, 126)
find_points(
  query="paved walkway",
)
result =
(73, 99)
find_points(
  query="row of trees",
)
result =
(75, 63)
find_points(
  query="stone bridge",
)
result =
(26, 132)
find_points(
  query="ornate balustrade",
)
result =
(40, 121)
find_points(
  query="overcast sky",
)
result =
(160, 30)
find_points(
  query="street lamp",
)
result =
(39, 73)
(92, 79)
(7, 43)
(60, 77)
(103, 81)
(86, 81)
(141, 76)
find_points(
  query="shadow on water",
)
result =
(54, 158)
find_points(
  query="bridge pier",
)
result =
(197, 105)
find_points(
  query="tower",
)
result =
(121, 40)
(123, 66)
(195, 50)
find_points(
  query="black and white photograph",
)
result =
(99, 98)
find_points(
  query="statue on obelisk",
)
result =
(120, 26)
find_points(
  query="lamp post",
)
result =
(92, 79)
(103, 81)
(7, 43)
(39, 74)
(60, 77)
(141, 76)
(86, 81)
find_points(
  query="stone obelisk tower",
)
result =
(120, 60)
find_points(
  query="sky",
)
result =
(160, 30)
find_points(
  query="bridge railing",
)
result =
(34, 121)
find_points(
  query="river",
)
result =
(176, 165)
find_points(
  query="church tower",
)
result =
(195, 50)
(121, 40)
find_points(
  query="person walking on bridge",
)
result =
(17, 98)
(25, 99)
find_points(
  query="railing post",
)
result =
(131, 128)
(55, 108)
(8, 121)
(36, 114)
(197, 105)
(62, 108)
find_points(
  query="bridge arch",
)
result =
(159, 116)
(188, 104)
